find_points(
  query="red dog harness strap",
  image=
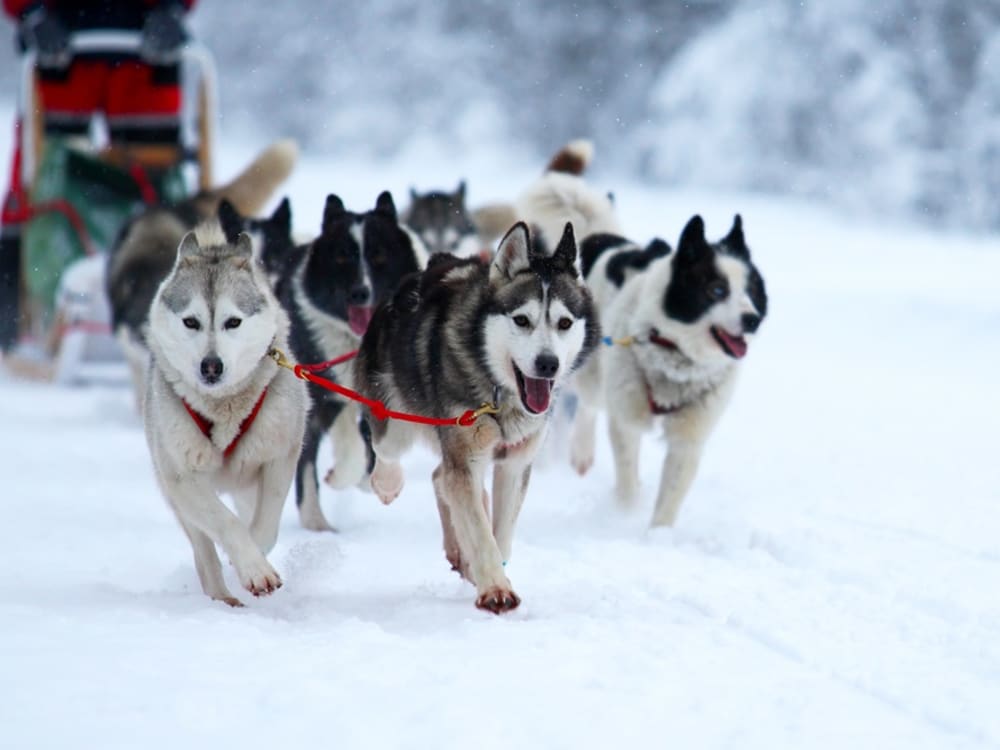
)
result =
(205, 424)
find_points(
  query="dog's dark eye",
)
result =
(718, 290)
(564, 324)
(521, 321)
(192, 323)
(232, 323)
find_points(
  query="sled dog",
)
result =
(443, 223)
(680, 324)
(145, 249)
(357, 261)
(271, 236)
(462, 333)
(219, 414)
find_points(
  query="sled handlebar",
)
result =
(197, 67)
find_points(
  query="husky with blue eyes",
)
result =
(680, 323)
(220, 415)
(461, 333)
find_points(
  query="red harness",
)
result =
(659, 409)
(205, 424)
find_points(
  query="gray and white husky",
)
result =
(442, 221)
(146, 247)
(457, 335)
(681, 323)
(220, 415)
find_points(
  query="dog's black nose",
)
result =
(211, 369)
(546, 365)
(751, 322)
(359, 295)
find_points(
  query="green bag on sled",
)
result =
(101, 194)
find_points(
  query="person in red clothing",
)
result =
(138, 93)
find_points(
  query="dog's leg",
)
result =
(206, 562)
(306, 483)
(458, 484)
(272, 488)
(581, 447)
(510, 483)
(686, 432)
(389, 441)
(588, 388)
(349, 450)
(679, 469)
(625, 447)
(245, 501)
(452, 551)
(196, 502)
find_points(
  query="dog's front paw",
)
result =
(498, 600)
(458, 564)
(312, 518)
(581, 462)
(347, 471)
(232, 601)
(260, 579)
(387, 481)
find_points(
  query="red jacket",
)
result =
(77, 15)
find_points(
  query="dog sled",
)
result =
(68, 200)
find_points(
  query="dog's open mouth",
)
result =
(358, 318)
(734, 346)
(536, 393)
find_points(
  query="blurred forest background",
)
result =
(889, 106)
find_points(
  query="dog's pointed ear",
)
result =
(188, 248)
(230, 220)
(243, 247)
(512, 254)
(692, 242)
(282, 216)
(565, 254)
(385, 205)
(460, 192)
(332, 211)
(413, 195)
(735, 242)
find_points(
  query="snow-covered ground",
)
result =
(832, 580)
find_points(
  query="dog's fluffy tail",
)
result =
(561, 195)
(546, 200)
(251, 189)
(573, 158)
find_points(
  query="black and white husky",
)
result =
(271, 236)
(462, 333)
(356, 262)
(680, 323)
(220, 415)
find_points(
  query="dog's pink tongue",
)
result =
(737, 344)
(537, 393)
(358, 318)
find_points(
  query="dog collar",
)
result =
(206, 425)
(656, 338)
